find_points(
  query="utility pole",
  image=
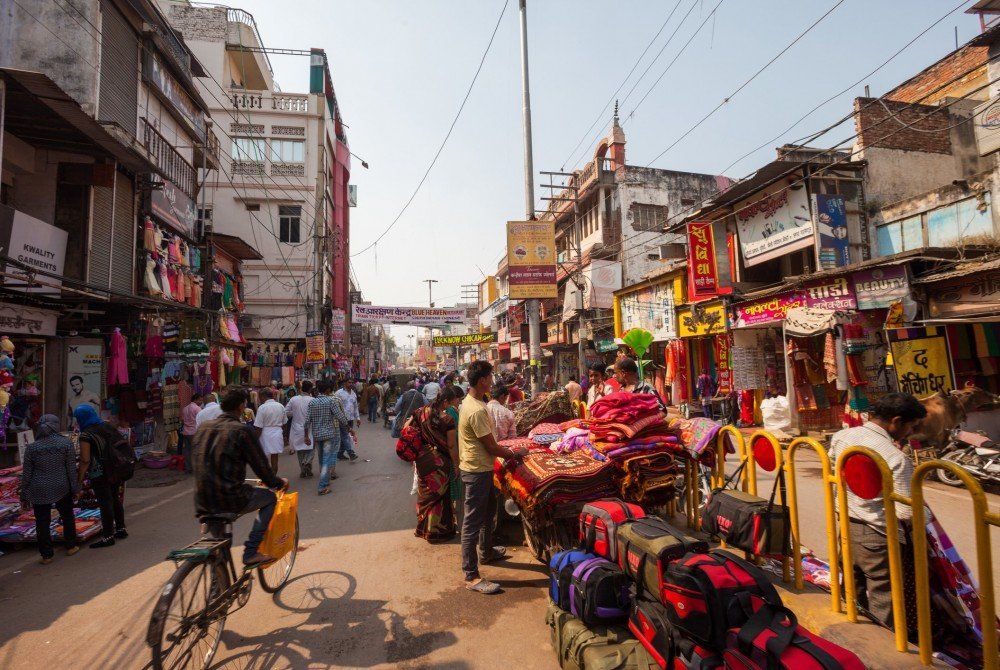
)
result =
(532, 305)
(430, 283)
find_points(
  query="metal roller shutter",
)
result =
(123, 239)
(119, 95)
(101, 224)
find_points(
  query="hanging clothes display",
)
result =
(118, 359)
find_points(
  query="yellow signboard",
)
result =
(701, 319)
(920, 357)
(531, 259)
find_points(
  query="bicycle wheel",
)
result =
(180, 633)
(274, 574)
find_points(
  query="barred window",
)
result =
(288, 223)
(649, 217)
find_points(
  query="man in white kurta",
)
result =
(269, 421)
(297, 411)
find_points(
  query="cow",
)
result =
(946, 411)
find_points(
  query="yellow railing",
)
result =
(829, 494)
(982, 519)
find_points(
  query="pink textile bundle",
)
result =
(624, 407)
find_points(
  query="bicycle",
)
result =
(188, 619)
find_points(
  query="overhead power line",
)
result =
(437, 154)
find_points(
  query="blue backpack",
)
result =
(561, 568)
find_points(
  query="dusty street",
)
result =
(364, 593)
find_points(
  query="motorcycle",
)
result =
(976, 453)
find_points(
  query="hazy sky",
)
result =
(400, 69)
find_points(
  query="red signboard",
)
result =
(703, 281)
(723, 372)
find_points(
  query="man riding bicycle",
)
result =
(223, 448)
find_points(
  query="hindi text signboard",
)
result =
(703, 281)
(413, 316)
(531, 259)
(920, 358)
(775, 224)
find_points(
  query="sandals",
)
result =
(483, 586)
(323, 492)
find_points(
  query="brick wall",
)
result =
(945, 70)
(200, 23)
(882, 125)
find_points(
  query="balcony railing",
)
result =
(173, 166)
(598, 169)
(267, 101)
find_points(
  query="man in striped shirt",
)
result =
(893, 419)
(325, 420)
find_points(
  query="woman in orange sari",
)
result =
(435, 464)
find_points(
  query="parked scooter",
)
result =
(976, 453)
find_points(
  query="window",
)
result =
(248, 149)
(253, 207)
(205, 215)
(901, 235)
(649, 217)
(960, 223)
(288, 151)
(288, 223)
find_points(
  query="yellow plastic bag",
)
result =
(280, 536)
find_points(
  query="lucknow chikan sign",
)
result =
(462, 340)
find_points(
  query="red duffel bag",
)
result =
(599, 522)
(772, 639)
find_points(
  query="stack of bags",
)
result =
(547, 485)
(641, 594)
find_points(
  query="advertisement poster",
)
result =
(830, 214)
(880, 287)
(315, 349)
(775, 224)
(652, 309)
(703, 278)
(413, 316)
(920, 357)
(460, 340)
(338, 326)
(84, 367)
(531, 259)
(835, 294)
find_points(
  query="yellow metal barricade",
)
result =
(889, 496)
(751, 470)
(829, 488)
(982, 518)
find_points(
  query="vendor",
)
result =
(627, 375)
(596, 375)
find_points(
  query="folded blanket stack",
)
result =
(546, 408)
(546, 485)
(649, 479)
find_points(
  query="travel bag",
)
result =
(561, 567)
(599, 522)
(772, 639)
(672, 651)
(699, 592)
(598, 647)
(600, 592)
(748, 522)
(645, 546)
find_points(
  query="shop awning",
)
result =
(805, 321)
(236, 247)
(40, 113)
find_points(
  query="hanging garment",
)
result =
(118, 362)
(165, 281)
(152, 285)
(182, 254)
(856, 371)
(148, 236)
(830, 357)
(158, 241)
(843, 383)
(746, 399)
(154, 339)
(822, 401)
(805, 401)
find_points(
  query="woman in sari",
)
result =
(435, 465)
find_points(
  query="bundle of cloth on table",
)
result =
(638, 593)
(553, 407)
(19, 526)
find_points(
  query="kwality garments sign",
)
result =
(412, 316)
(35, 244)
(462, 340)
(775, 224)
(531, 259)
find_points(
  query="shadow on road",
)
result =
(339, 630)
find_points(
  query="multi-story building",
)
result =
(282, 182)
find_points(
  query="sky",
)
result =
(400, 70)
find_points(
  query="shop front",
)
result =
(651, 305)
(703, 348)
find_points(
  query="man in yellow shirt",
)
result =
(477, 449)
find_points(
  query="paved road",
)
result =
(365, 592)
